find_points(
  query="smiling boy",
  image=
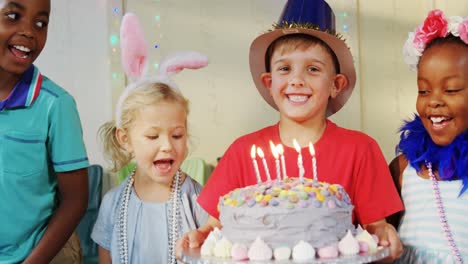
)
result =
(43, 161)
(305, 71)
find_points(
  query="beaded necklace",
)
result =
(442, 217)
(174, 218)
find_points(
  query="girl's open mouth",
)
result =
(164, 165)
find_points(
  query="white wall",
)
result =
(388, 87)
(76, 57)
(225, 103)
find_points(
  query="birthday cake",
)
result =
(287, 218)
(284, 212)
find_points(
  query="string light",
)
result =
(118, 9)
(344, 18)
(114, 40)
(116, 77)
(345, 11)
(157, 42)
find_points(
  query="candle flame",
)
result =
(296, 146)
(280, 149)
(260, 152)
(273, 150)
(311, 149)
(252, 152)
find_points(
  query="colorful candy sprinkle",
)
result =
(289, 193)
(317, 204)
(250, 203)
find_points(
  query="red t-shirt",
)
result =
(346, 157)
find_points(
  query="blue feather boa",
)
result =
(450, 161)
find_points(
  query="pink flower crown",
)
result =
(435, 26)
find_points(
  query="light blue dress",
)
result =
(147, 230)
(420, 229)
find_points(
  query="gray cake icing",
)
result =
(283, 213)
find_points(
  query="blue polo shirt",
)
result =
(40, 134)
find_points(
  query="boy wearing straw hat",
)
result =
(306, 72)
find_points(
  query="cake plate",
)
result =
(192, 256)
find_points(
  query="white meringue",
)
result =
(207, 249)
(259, 250)
(222, 249)
(348, 245)
(239, 252)
(365, 237)
(303, 252)
(282, 253)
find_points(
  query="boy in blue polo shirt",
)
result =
(43, 161)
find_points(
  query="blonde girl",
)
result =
(140, 220)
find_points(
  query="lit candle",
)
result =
(280, 150)
(314, 161)
(265, 166)
(277, 163)
(299, 160)
(252, 155)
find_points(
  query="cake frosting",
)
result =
(287, 219)
(285, 212)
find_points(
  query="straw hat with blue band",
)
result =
(309, 17)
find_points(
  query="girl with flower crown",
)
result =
(140, 220)
(432, 170)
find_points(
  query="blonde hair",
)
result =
(145, 95)
(288, 43)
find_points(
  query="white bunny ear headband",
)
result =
(134, 53)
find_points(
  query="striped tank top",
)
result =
(420, 229)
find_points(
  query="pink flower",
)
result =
(433, 27)
(463, 31)
(420, 40)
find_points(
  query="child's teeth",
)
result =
(22, 48)
(437, 119)
(298, 98)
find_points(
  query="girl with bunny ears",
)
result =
(140, 220)
(431, 171)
